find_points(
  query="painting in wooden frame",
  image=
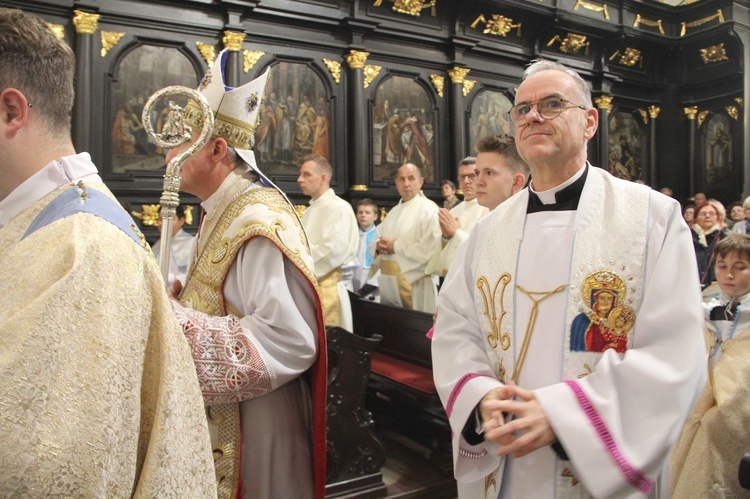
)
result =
(625, 149)
(403, 128)
(717, 152)
(142, 71)
(489, 116)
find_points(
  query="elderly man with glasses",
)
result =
(569, 332)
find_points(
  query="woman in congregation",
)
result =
(707, 232)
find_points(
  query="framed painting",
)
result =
(625, 151)
(141, 72)
(717, 152)
(489, 116)
(403, 128)
(294, 119)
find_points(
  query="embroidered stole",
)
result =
(608, 254)
(273, 218)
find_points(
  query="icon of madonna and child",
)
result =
(606, 321)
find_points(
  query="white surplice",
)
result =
(616, 415)
(179, 259)
(468, 214)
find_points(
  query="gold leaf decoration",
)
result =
(109, 40)
(250, 58)
(371, 72)
(207, 51)
(468, 85)
(438, 82)
(335, 68)
(233, 40)
(85, 22)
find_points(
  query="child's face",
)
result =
(733, 274)
(366, 216)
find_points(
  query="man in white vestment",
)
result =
(568, 350)
(332, 234)
(250, 310)
(456, 224)
(406, 240)
(181, 250)
(99, 396)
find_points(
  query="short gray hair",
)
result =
(538, 65)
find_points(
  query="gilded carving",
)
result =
(593, 7)
(499, 25)
(629, 57)
(149, 216)
(733, 112)
(719, 15)
(300, 209)
(639, 19)
(371, 72)
(604, 102)
(207, 51)
(250, 58)
(85, 22)
(438, 82)
(738, 100)
(644, 115)
(691, 112)
(653, 112)
(714, 53)
(358, 187)
(467, 86)
(58, 30)
(458, 74)
(410, 7)
(109, 40)
(233, 40)
(356, 59)
(571, 44)
(702, 117)
(335, 68)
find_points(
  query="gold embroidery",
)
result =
(489, 481)
(588, 369)
(495, 323)
(532, 322)
(568, 473)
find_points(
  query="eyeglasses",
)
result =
(707, 214)
(548, 108)
(468, 176)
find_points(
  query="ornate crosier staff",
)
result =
(174, 134)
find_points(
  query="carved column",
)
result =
(457, 118)
(653, 113)
(233, 41)
(604, 106)
(691, 113)
(85, 24)
(357, 120)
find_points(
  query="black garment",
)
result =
(704, 255)
(565, 199)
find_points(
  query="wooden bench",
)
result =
(401, 393)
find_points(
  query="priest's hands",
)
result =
(448, 223)
(384, 246)
(527, 431)
(175, 290)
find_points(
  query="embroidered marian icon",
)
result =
(252, 102)
(606, 321)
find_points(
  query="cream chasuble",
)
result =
(468, 214)
(99, 395)
(609, 354)
(403, 282)
(333, 236)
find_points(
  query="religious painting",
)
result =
(625, 159)
(489, 116)
(294, 119)
(403, 128)
(717, 151)
(139, 74)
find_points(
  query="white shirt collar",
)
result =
(548, 196)
(66, 170)
(328, 193)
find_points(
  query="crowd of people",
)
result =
(571, 350)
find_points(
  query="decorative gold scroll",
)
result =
(702, 117)
(653, 112)
(149, 217)
(644, 115)
(639, 19)
(250, 58)
(356, 59)
(109, 40)
(58, 30)
(207, 51)
(410, 7)
(714, 53)
(604, 102)
(691, 112)
(85, 22)
(571, 44)
(438, 82)
(335, 68)
(467, 86)
(719, 15)
(371, 72)
(629, 57)
(739, 101)
(458, 74)
(733, 112)
(499, 25)
(233, 40)
(592, 6)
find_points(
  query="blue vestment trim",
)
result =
(86, 200)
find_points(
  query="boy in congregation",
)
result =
(367, 215)
(714, 439)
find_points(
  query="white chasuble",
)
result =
(605, 363)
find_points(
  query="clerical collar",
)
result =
(563, 197)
